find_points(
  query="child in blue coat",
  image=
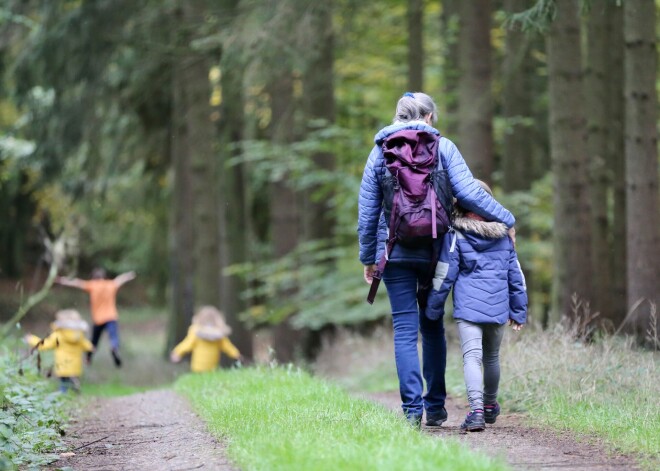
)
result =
(478, 259)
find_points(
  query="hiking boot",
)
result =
(116, 357)
(436, 420)
(491, 411)
(474, 421)
(415, 421)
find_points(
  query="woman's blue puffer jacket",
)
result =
(372, 228)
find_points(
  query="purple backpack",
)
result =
(417, 199)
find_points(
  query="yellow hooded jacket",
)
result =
(69, 345)
(205, 352)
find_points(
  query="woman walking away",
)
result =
(479, 260)
(409, 267)
(69, 342)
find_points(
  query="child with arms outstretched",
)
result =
(103, 303)
(478, 259)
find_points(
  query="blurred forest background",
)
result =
(216, 147)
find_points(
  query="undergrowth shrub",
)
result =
(31, 415)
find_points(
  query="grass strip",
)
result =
(283, 418)
(606, 388)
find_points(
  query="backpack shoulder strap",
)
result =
(441, 163)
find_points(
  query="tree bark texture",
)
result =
(234, 230)
(596, 94)
(518, 149)
(415, 45)
(572, 235)
(181, 239)
(319, 103)
(196, 209)
(449, 28)
(201, 147)
(284, 203)
(616, 162)
(641, 104)
(475, 124)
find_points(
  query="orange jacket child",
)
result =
(207, 338)
(69, 342)
(103, 302)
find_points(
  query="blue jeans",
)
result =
(113, 333)
(401, 281)
(69, 382)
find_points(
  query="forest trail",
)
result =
(158, 430)
(523, 447)
(145, 431)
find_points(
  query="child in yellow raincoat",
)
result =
(207, 338)
(69, 342)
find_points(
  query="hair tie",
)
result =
(409, 94)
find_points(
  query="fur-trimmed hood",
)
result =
(489, 230)
(69, 319)
(480, 234)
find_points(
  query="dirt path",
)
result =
(155, 430)
(158, 430)
(523, 447)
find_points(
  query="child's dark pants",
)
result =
(113, 333)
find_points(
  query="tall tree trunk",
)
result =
(415, 45)
(449, 27)
(233, 192)
(319, 106)
(641, 103)
(181, 240)
(475, 125)
(233, 223)
(517, 102)
(203, 161)
(616, 161)
(196, 274)
(284, 204)
(598, 125)
(572, 255)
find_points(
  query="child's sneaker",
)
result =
(116, 357)
(491, 411)
(474, 421)
(436, 420)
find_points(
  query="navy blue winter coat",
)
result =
(479, 260)
(372, 228)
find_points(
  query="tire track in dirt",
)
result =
(155, 430)
(522, 446)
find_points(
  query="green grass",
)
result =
(286, 419)
(606, 389)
